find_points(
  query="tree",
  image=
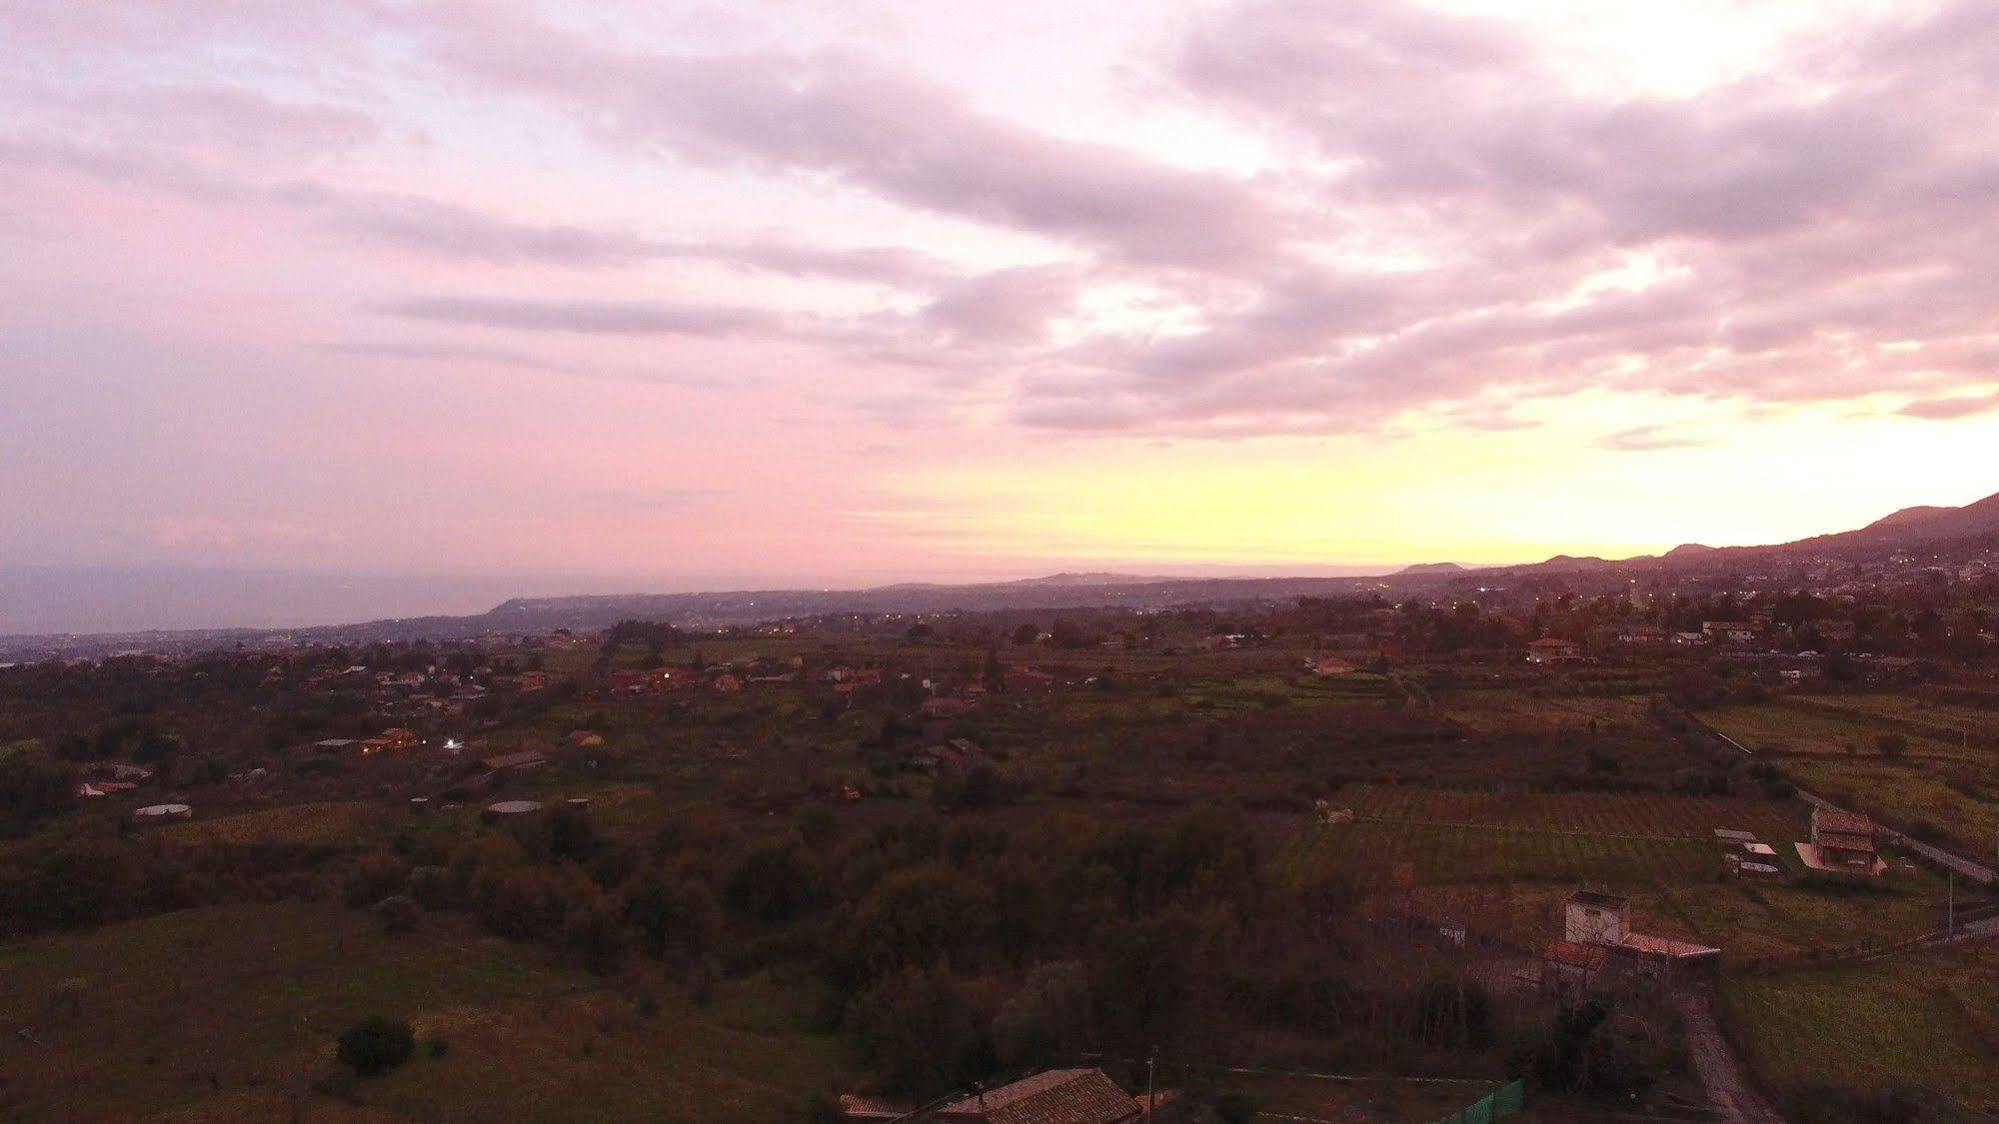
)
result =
(1236, 1108)
(597, 930)
(1892, 745)
(33, 786)
(1068, 634)
(921, 1032)
(776, 879)
(1027, 633)
(376, 1045)
(1454, 1011)
(672, 914)
(1053, 1017)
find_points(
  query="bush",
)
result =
(375, 876)
(597, 930)
(376, 1045)
(1454, 1011)
(1892, 745)
(398, 914)
(429, 886)
(921, 1032)
(1236, 1108)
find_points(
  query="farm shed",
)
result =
(161, 813)
(510, 809)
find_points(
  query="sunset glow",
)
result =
(821, 293)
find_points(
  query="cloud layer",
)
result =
(1264, 220)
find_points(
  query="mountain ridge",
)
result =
(1922, 526)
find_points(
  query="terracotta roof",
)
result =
(1574, 955)
(1059, 1096)
(1845, 823)
(857, 1106)
(1666, 946)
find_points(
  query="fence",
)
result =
(1496, 1105)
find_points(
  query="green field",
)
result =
(1509, 859)
(1444, 853)
(1930, 1018)
(1656, 816)
(1506, 711)
(344, 823)
(231, 1013)
(1814, 728)
(1831, 747)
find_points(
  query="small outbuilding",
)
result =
(526, 761)
(1554, 650)
(163, 813)
(511, 809)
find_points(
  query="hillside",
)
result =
(1913, 528)
(1973, 526)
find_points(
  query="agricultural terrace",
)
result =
(1518, 712)
(1930, 782)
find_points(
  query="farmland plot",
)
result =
(1644, 815)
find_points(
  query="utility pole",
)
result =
(1151, 1068)
(1950, 907)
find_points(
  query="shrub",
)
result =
(430, 886)
(375, 876)
(597, 930)
(398, 914)
(921, 1032)
(1236, 1108)
(376, 1045)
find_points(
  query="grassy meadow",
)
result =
(231, 1013)
(1931, 1019)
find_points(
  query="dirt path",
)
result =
(1734, 1101)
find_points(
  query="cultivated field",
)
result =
(1745, 920)
(1507, 860)
(300, 825)
(1809, 728)
(1644, 815)
(1514, 712)
(1931, 1018)
(1937, 786)
(1445, 853)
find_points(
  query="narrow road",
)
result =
(1732, 1098)
(1976, 871)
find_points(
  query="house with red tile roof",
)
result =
(1059, 1096)
(1842, 844)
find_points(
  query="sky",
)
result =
(701, 296)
